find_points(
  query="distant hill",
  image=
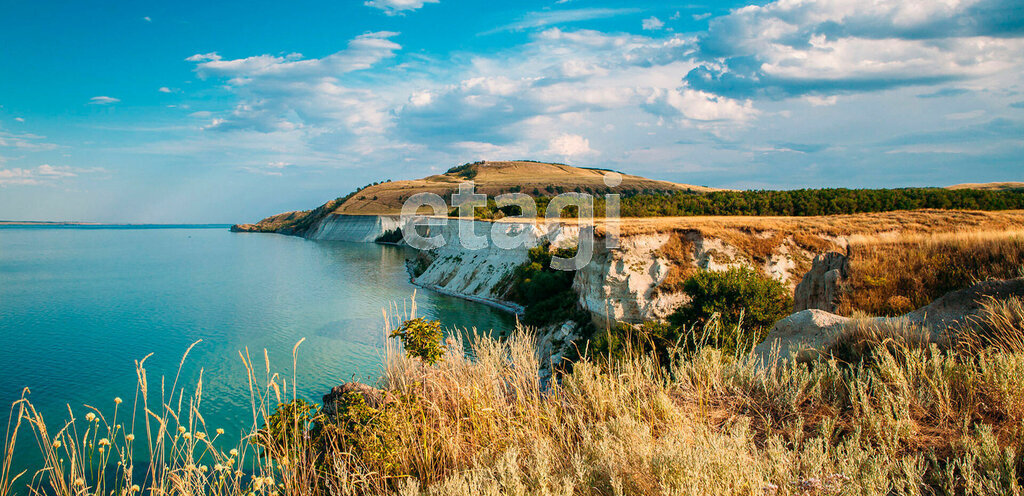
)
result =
(537, 179)
(494, 178)
(642, 197)
(988, 186)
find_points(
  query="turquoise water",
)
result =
(79, 306)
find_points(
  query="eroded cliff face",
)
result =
(476, 267)
(355, 228)
(638, 280)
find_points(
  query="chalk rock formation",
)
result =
(821, 286)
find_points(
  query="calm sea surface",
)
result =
(79, 306)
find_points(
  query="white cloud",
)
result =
(19, 119)
(291, 92)
(362, 53)
(798, 47)
(547, 18)
(103, 100)
(24, 141)
(637, 98)
(147, 19)
(652, 24)
(821, 101)
(164, 89)
(393, 7)
(42, 175)
(203, 57)
(699, 106)
(570, 146)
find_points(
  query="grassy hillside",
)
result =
(989, 186)
(643, 197)
(493, 178)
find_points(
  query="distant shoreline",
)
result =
(100, 225)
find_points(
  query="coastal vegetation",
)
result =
(918, 418)
(740, 304)
(728, 310)
(546, 294)
(784, 203)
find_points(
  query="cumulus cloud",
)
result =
(103, 100)
(394, 7)
(698, 105)
(291, 92)
(362, 53)
(164, 89)
(558, 78)
(41, 175)
(570, 146)
(652, 24)
(760, 81)
(791, 48)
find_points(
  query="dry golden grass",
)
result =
(999, 325)
(680, 251)
(274, 222)
(997, 186)
(908, 222)
(894, 274)
(916, 420)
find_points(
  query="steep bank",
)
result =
(354, 228)
(641, 279)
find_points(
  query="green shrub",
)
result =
(390, 236)
(546, 294)
(360, 430)
(421, 339)
(285, 430)
(745, 303)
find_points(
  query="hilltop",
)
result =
(641, 197)
(989, 186)
(537, 179)
(495, 178)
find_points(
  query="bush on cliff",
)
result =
(737, 307)
(546, 294)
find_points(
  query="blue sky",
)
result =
(228, 112)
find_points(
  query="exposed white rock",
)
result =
(804, 331)
(355, 228)
(808, 331)
(821, 286)
(475, 266)
(621, 283)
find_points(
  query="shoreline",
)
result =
(509, 307)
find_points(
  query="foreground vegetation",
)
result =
(914, 419)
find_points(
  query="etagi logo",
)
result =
(420, 229)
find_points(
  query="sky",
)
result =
(225, 112)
